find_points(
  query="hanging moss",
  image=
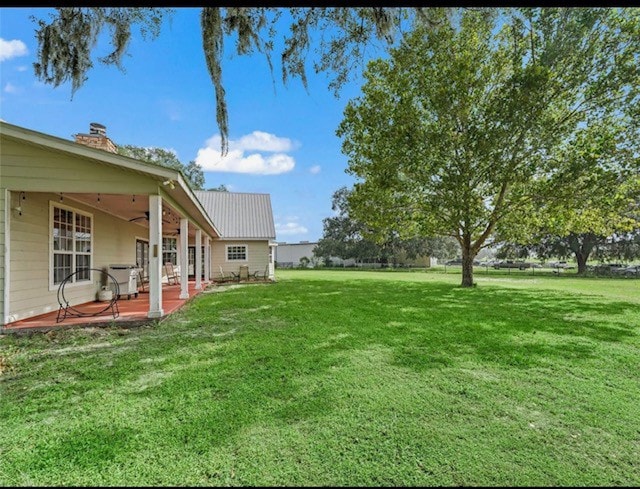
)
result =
(66, 41)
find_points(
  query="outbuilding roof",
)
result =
(238, 214)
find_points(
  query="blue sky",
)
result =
(282, 138)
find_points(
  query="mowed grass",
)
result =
(340, 378)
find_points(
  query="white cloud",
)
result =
(11, 88)
(12, 49)
(22, 68)
(236, 161)
(314, 170)
(263, 141)
(290, 228)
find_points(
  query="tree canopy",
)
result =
(598, 207)
(66, 40)
(470, 127)
(581, 246)
(169, 159)
(343, 236)
(346, 237)
(220, 188)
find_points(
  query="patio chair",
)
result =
(143, 279)
(261, 275)
(226, 277)
(243, 273)
(172, 276)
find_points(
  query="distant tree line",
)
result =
(581, 247)
(346, 237)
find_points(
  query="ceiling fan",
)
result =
(146, 216)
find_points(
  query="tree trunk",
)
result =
(583, 249)
(467, 266)
(581, 258)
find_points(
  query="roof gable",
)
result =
(239, 215)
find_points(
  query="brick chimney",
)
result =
(97, 138)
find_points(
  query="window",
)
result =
(237, 253)
(170, 250)
(142, 256)
(71, 239)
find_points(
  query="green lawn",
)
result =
(339, 378)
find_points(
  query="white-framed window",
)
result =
(237, 253)
(71, 244)
(170, 250)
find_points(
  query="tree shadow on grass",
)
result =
(424, 326)
(519, 328)
(279, 366)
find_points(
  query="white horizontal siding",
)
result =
(113, 242)
(257, 251)
(26, 167)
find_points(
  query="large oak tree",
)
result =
(465, 129)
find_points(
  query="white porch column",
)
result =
(155, 258)
(183, 259)
(198, 267)
(272, 255)
(207, 259)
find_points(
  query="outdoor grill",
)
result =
(127, 278)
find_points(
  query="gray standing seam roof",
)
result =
(239, 215)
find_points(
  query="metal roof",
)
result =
(238, 214)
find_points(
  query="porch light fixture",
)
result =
(98, 198)
(60, 196)
(170, 183)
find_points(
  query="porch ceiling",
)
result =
(133, 208)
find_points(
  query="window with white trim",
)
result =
(71, 240)
(236, 252)
(170, 250)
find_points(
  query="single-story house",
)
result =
(247, 232)
(78, 208)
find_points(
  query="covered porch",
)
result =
(172, 246)
(57, 236)
(132, 312)
(68, 212)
